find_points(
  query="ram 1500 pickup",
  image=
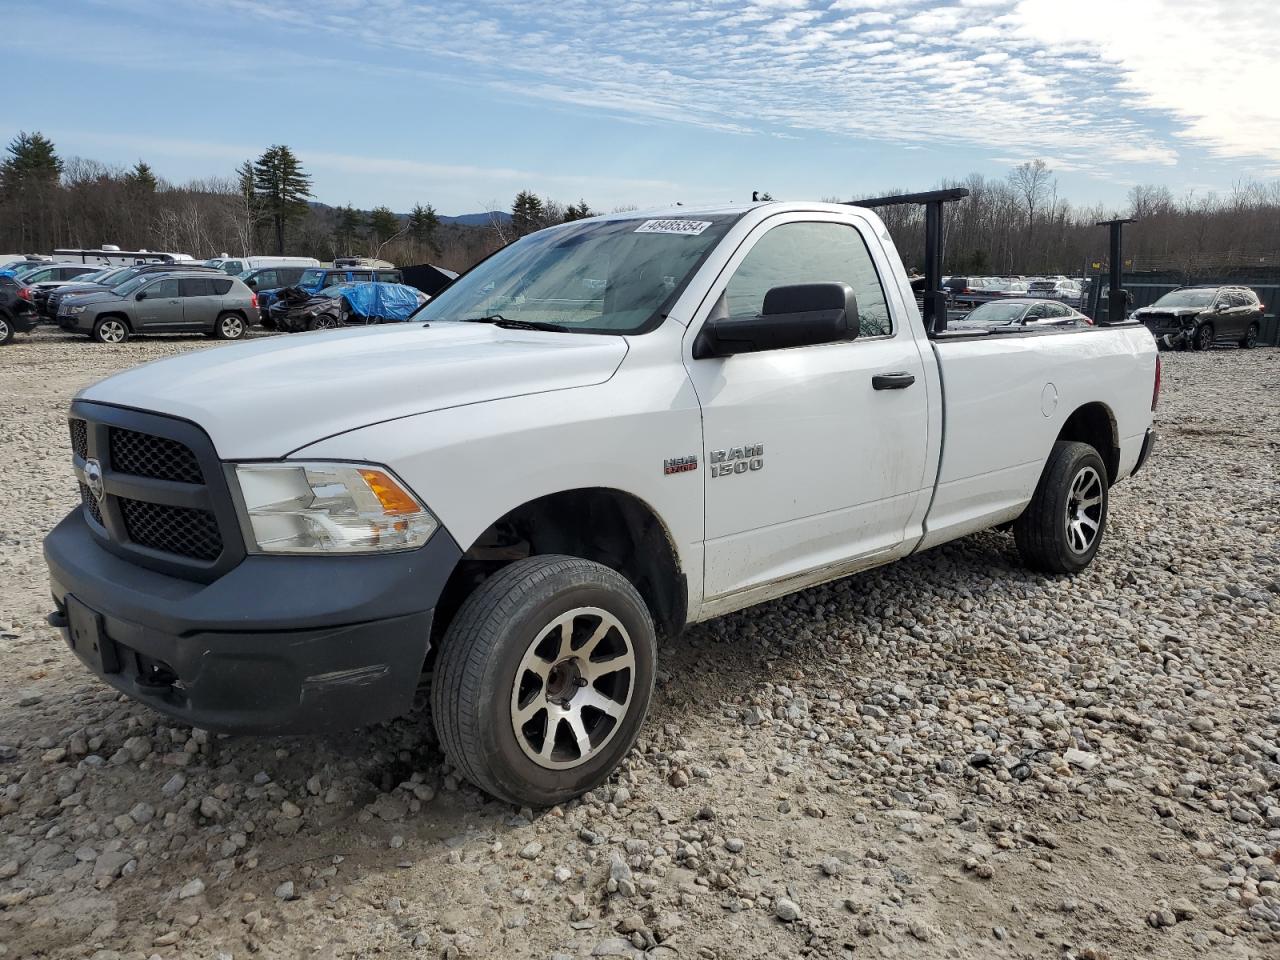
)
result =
(607, 431)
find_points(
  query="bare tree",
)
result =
(1032, 181)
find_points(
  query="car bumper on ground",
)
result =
(277, 645)
(24, 321)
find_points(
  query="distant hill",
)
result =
(479, 219)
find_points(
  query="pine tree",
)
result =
(349, 224)
(526, 213)
(141, 177)
(282, 188)
(424, 224)
(383, 224)
(32, 162)
(578, 211)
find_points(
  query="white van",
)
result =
(110, 255)
(237, 265)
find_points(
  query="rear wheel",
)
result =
(325, 321)
(1062, 527)
(1204, 336)
(229, 326)
(6, 330)
(1250, 337)
(110, 330)
(544, 679)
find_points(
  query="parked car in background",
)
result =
(316, 279)
(1199, 317)
(1018, 314)
(10, 262)
(965, 293)
(41, 289)
(17, 313)
(110, 279)
(187, 301)
(347, 304)
(1011, 287)
(238, 265)
(1055, 288)
(272, 278)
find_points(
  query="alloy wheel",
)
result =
(573, 688)
(232, 327)
(1084, 510)
(112, 331)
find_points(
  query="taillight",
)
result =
(253, 300)
(1155, 393)
(24, 293)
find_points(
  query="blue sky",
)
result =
(647, 103)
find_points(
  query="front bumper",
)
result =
(74, 321)
(277, 645)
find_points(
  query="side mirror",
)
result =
(802, 315)
(142, 295)
(251, 283)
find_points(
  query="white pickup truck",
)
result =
(606, 431)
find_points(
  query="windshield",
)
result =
(311, 278)
(596, 276)
(1186, 298)
(28, 268)
(996, 312)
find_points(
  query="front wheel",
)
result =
(1204, 336)
(1250, 337)
(325, 321)
(1062, 527)
(229, 326)
(110, 330)
(544, 678)
(6, 330)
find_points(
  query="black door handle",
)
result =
(892, 381)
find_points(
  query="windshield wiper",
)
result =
(498, 320)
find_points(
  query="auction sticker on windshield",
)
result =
(689, 228)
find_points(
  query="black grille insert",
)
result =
(180, 530)
(91, 504)
(79, 437)
(159, 458)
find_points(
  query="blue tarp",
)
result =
(391, 301)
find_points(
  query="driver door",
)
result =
(812, 464)
(161, 308)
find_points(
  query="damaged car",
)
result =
(296, 310)
(1198, 317)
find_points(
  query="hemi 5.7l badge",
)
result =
(679, 465)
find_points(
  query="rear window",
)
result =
(220, 287)
(388, 276)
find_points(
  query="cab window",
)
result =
(811, 253)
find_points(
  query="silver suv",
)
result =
(184, 301)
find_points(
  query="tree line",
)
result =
(1016, 224)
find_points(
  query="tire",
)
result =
(6, 330)
(1204, 337)
(497, 656)
(1248, 342)
(110, 330)
(1050, 535)
(229, 326)
(325, 321)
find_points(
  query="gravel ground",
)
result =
(947, 757)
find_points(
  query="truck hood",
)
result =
(1168, 311)
(268, 398)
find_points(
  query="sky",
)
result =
(653, 102)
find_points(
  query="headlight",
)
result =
(329, 508)
(77, 310)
